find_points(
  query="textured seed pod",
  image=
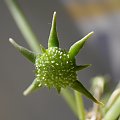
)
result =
(54, 67)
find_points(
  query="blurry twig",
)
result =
(23, 24)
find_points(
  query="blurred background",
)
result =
(75, 18)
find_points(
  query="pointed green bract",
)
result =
(42, 49)
(81, 67)
(58, 90)
(53, 39)
(80, 88)
(33, 87)
(25, 52)
(75, 48)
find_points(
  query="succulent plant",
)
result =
(55, 67)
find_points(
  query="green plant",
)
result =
(58, 68)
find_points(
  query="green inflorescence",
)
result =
(56, 67)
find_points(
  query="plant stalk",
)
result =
(79, 105)
(23, 24)
(69, 98)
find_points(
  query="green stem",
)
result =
(114, 111)
(80, 106)
(69, 99)
(97, 88)
(23, 24)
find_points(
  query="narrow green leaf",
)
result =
(80, 88)
(81, 67)
(75, 48)
(25, 52)
(42, 49)
(112, 99)
(114, 112)
(53, 39)
(33, 87)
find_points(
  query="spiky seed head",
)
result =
(54, 68)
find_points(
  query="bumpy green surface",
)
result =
(54, 68)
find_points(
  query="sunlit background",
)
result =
(75, 18)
